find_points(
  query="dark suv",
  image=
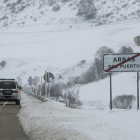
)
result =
(9, 90)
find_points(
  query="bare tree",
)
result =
(89, 76)
(25, 87)
(73, 97)
(3, 63)
(126, 50)
(19, 81)
(92, 103)
(95, 72)
(87, 8)
(51, 2)
(56, 89)
(123, 101)
(71, 80)
(101, 106)
(98, 61)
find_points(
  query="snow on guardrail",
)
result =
(43, 99)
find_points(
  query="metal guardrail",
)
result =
(43, 99)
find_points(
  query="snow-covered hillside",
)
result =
(59, 41)
(97, 95)
(34, 12)
(35, 39)
(30, 54)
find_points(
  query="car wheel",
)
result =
(18, 102)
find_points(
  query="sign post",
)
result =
(41, 87)
(137, 90)
(47, 77)
(46, 84)
(110, 92)
(30, 82)
(49, 83)
(34, 87)
(122, 63)
(36, 80)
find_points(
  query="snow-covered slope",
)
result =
(30, 54)
(24, 12)
(35, 48)
(97, 95)
(36, 39)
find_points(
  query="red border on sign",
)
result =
(30, 79)
(122, 62)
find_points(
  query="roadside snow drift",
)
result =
(53, 121)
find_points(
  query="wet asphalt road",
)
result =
(10, 128)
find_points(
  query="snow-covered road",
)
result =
(53, 121)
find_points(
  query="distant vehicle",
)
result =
(9, 90)
(60, 99)
(73, 105)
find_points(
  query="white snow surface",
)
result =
(59, 52)
(53, 121)
(57, 42)
(122, 84)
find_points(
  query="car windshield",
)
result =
(7, 84)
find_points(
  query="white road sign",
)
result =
(121, 62)
(36, 79)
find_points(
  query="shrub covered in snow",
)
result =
(51, 2)
(123, 101)
(3, 63)
(87, 8)
(56, 7)
(73, 97)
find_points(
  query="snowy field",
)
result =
(59, 52)
(53, 121)
(56, 43)
(124, 83)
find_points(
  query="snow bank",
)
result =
(53, 121)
